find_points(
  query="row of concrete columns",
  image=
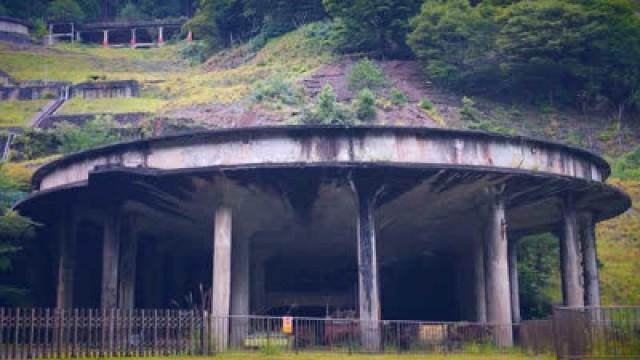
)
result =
(494, 263)
(119, 250)
(494, 260)
(133, 42)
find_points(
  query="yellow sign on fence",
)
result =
(287, 324)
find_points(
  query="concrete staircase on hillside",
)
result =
(50, 108)
(6, 146)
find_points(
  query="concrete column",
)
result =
(128, 255)
(240, 289)
(221, 290)
(110, 259)
(497, 269)
(105, 38)
(368, 293)
(160, 36)
(513, 281)
(479, 282)
(258, 285)
(50, 35)
(67, 246)
(189, 36)
(589, 256)
(78, 36)
(570, 256)
(133, 38)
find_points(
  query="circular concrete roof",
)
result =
(299, 147)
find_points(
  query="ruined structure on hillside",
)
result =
(14, 30)
(388, 222)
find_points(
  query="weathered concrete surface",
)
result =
(66, 264)
(497, 268)
(309, 146)
(590, 261)
(15, 26)
(514, 281)
(479, 284)
(368, 283)
(128, 254)
(106, 89)
(110, 258)
(572, 291)
(221, 289)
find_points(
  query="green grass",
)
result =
(111, 105)
(619, 251)
(345, 356)
(18, 113)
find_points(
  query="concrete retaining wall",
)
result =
(108, 89)
(33, 92)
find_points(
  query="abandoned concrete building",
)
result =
(378, 222)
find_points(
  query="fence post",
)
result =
(555, 331)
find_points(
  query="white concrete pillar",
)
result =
(221, 290)
(590, 260)
(67, 234)
(514, 282)
(105, 38)
(133, 38)
(128, 256)
(110, 259)
(570, 256)
(368, 291)
(479, 283)
(497, 270)
(160, 36)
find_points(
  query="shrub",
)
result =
(365, 105)
(99, 131)
(426, 104)
(397, 97)
(194, 53)
(627, 166)
(327, 110)
(32, 144)
(366, 74)
(276, 89)
(469, 111)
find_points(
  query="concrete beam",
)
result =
(110, 258)
(221, 289)
(368, 292)
(569, 255)
(128, 255)
(590, 260)
(67, 234)
(497, 269)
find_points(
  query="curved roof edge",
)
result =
(601, 163)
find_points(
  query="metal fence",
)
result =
(46, 333)
(597, 333)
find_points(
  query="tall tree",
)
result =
(456, 42)
(378, 26)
